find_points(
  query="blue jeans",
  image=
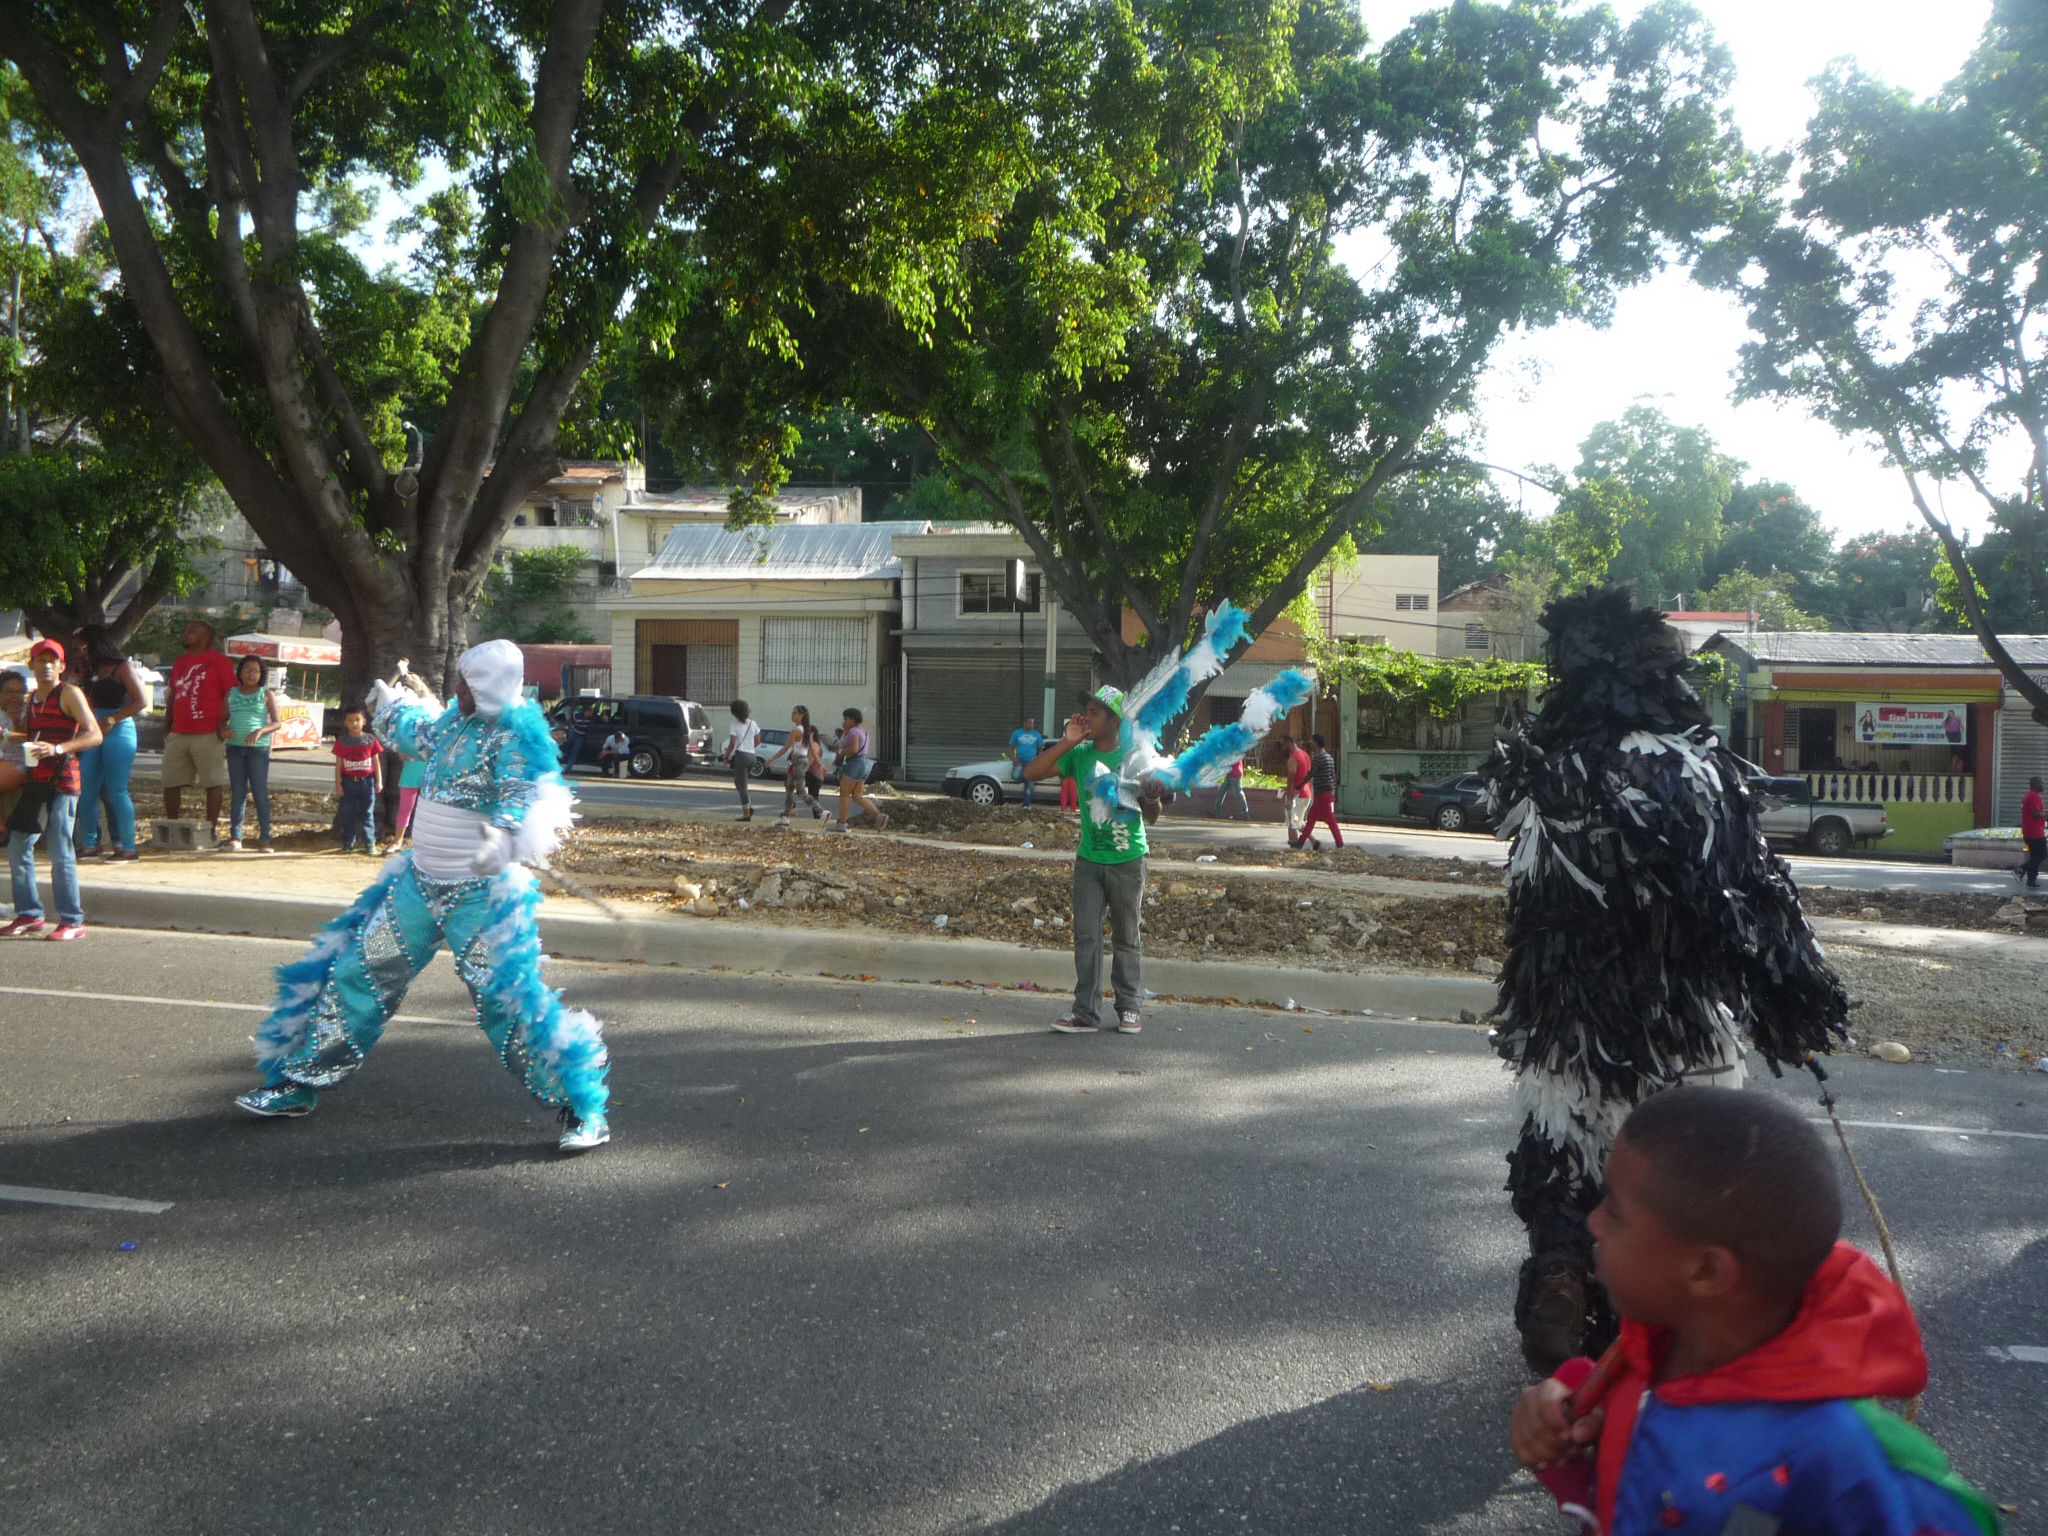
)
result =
(21, 864)
(358, 815)
(105, 769)
(248, 778)
(1231, 787)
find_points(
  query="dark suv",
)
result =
(666, 734)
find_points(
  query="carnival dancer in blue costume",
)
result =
(494, 801)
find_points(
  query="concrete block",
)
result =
(181, 836)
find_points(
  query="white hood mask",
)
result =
(496, 673)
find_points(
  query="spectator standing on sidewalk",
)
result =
(60, 725)
(1231, 788)
(115, 693)
(1322, 770)
(743, 750)
(854, 767)
(356, 757)
(252, 720)
(195, 749)
(1299, 772)
(2033, 828)
(13, 732)
(1109, 869)
(1026, 742)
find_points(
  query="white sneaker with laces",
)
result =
(583, 1135)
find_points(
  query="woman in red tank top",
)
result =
(59, 726)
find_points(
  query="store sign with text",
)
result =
(1912, 725)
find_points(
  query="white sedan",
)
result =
(993, 782)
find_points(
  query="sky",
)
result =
(1673, 344)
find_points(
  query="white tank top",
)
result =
(445, 839)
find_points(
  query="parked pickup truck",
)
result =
(1785, 811)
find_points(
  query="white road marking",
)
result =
(191, 1002)
(1964, 1131)
(78, 1197)
(2031, 1354)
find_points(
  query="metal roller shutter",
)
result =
(2022, 754)
(964, 704)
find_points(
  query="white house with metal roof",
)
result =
(797, 613)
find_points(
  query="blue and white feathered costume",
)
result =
(494, 801)
(1161, 697)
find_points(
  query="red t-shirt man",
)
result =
(2033, 814)
(200, 681)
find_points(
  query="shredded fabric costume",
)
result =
(1652, 936)
(1162, 696)
(494, 799)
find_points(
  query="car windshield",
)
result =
(698, 719)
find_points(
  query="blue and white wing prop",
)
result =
(1162, 696)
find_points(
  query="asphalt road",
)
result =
(863, 1258)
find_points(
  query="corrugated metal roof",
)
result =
(1842, 648)
(787, 552)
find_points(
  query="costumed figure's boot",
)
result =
(582, 1133)
(280, 1101)
(1561, 1310)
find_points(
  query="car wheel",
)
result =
(645, 763)
(1450, 818)
(1829, 838)
(760, 768)
(984, 792)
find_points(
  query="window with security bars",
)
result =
(1478, 638)
(989, 592)
(1411, 602)
(711, 674)
(815, 651)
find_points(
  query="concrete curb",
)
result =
(705, 944)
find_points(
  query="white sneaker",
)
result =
(583, 1135)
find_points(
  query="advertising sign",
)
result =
(301, 723)
(1912, 725)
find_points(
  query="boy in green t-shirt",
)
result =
(1109, 874)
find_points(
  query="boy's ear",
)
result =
(1716, 1272)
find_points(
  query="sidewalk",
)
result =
(287, 896)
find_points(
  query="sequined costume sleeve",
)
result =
(409, 727)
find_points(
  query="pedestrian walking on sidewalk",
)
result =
(115, 693)
(854, 768)
(195, 745)
(795, 754)
(1109, 868)
(60, 725)
(2033, 828)
(252, 720)
(1299, 773)
(742, 752)
(1232, 788)
(356, 757)
(1322, 769)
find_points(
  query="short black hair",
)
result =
(850, 714)
(1742, 1171)
(1320, 740)
(739, 709)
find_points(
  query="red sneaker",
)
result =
(65, 931)
(23, 927)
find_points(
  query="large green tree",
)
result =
(1899, 294)
(1768, 530)
(1252, 272)
(1459, 516)
(1679, 481)
(234, 145)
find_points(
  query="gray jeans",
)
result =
(1119, 890)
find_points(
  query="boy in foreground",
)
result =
(1109, 867)
(1739, 1395)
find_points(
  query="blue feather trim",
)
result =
(300, 981)
(566, 1042)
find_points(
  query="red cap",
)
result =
(54, 647)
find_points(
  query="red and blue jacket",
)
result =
(1785, 1441)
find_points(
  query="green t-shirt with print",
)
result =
(1118, 840)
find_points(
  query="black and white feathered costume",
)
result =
(1651, 934)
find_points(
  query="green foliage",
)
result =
(1146, 354)
(1881, 581)
(1747, 592)
(2004, 594)
(1768, 530)
(525, 597)
(1896, 293)
(1456, 515)
(1677, 482)
(1406, 680)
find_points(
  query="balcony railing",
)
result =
(1895, 788)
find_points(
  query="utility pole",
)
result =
(1054, 720)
